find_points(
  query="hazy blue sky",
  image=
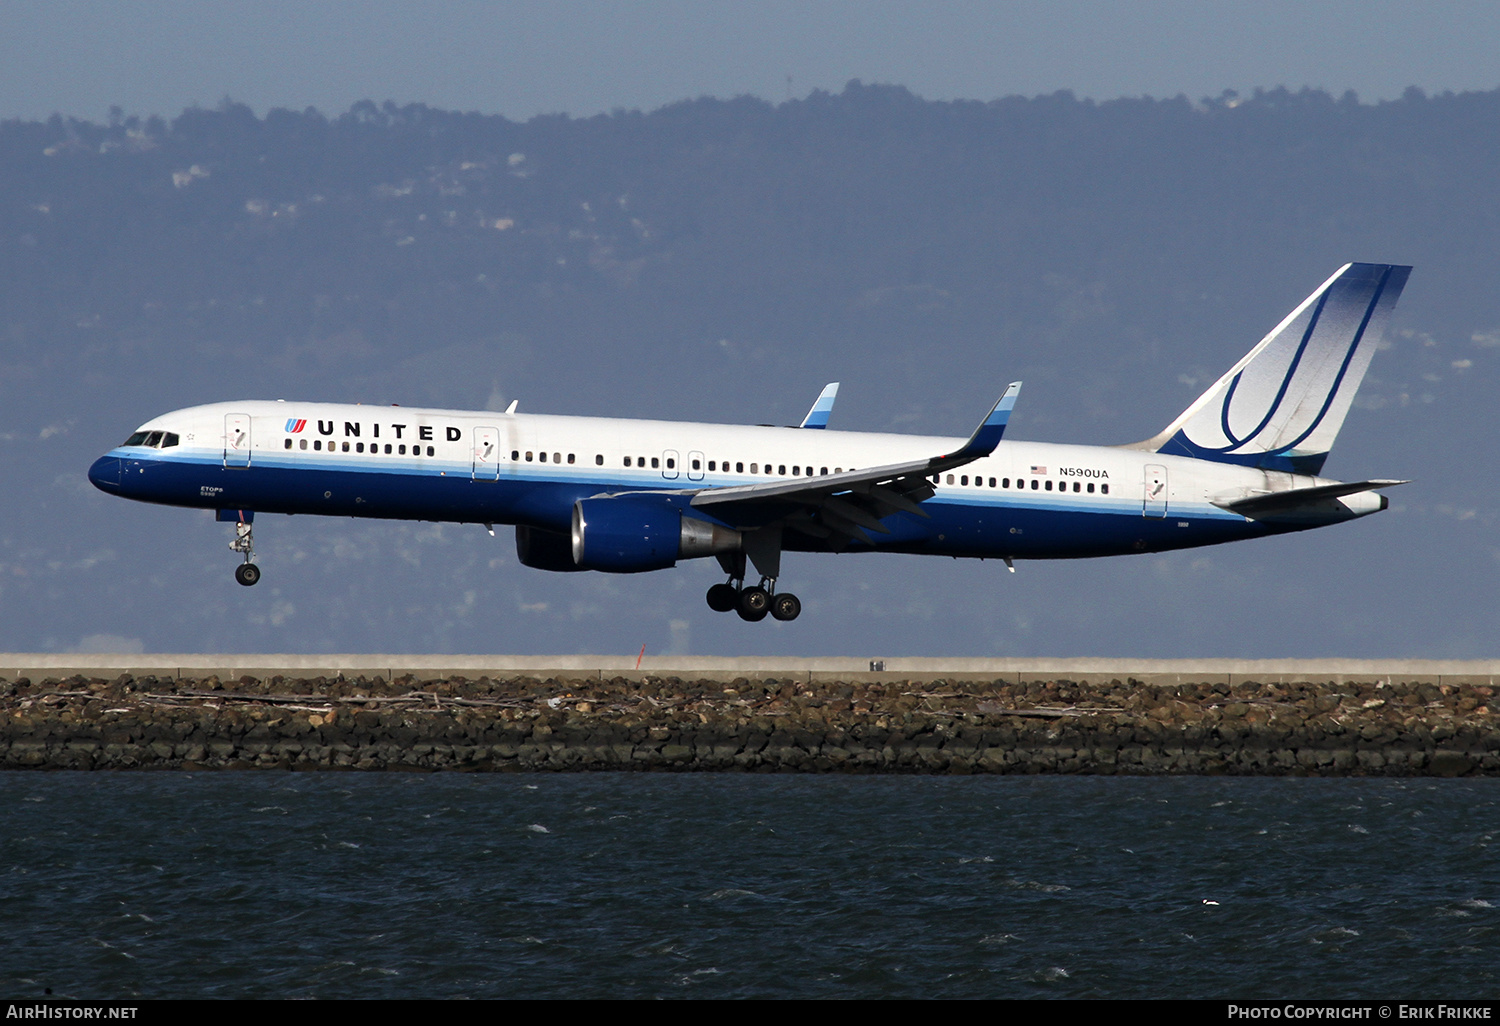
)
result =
(521, 58)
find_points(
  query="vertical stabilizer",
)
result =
(1281, 407)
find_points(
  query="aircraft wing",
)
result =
(842, 507)
(817, 417)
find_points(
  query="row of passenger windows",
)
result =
(657, 462)
(715, 466)
(398, 450)
(1036, 483)
(153, 439)
(557, 457)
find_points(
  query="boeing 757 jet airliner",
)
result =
(624, 496)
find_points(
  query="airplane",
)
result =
(629, 496)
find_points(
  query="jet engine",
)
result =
(545, 550)
(627, 535)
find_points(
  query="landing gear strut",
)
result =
(763, 548)
(247, 573)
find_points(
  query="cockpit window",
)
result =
(154, 439)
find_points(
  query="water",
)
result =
(164, 885)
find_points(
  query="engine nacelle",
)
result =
(626, 535)
(545, 550)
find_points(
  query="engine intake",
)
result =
(545, 550)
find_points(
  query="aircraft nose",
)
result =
(105, 473)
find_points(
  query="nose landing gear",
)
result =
(247, 573)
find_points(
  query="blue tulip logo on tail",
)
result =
(1281, 407)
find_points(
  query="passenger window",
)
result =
(739, 468)
(570, 459)
(992, 482)
(1005, 482)
(557, 457)
(1091, 488)
(710, 464)
(950, 478)
(964, 480)
(781, 470)
(346, 446)
(318, 446)
(655, 463)
(796, 471)
(515, 454)
(627, 461)
(541, 457)
(755, 468)
(400, 449)
(1104, 488)
(1049, 484)
(430, 450)
(302, 444)
(359, 446)
(823, 471)
(288, 443)
(528, 456)
(1034, 484)
(599, 460)
(1075, 486)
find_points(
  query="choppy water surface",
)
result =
(354, 885)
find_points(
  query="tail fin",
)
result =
(1281, 407)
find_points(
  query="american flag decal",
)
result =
(1038, 470)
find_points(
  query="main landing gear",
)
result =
(755, 602)
(763, 549)
(247, 573)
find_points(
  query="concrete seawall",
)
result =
(1104, 716)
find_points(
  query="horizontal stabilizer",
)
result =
(817, 417)
(1277, 503)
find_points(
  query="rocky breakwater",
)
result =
(761, 725)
